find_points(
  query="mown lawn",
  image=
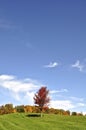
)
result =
(47, 122)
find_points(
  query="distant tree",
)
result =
(2, 110)
(20, 108)
(74, 113)
(80, 114)
(9, 108)
(28, 108)
(41, 98)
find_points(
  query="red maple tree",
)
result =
(41, 98)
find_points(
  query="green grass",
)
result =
(47, 122)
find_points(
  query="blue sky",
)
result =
(43, 42)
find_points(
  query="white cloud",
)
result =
(78, 65)
(81, 104)
(15, 85)
(84, 113)
(19, 88)
(65, 102)
(58, 91)
(62, 104)
(29, 98)
(16, 96)
(22, 91)
(6, 77)
(51, 65)
(77, 99)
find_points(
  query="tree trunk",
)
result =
(41, 111)
(41, 114)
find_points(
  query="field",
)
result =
(47, 122)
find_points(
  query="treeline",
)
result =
(8, 108)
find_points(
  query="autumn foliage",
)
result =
(41, 98)
(8, 108)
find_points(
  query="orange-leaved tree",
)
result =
(41, 98)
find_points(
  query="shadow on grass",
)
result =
(33, 115)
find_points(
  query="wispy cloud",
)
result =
(77, 99)
(24, 88)
(62, 104)
(21, 91)
(58, 91)
(68, 105)
(81, 104)
(5, 24)
(51, 65)
(78, 65)
(66, 102)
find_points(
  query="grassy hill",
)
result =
(47, 122)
